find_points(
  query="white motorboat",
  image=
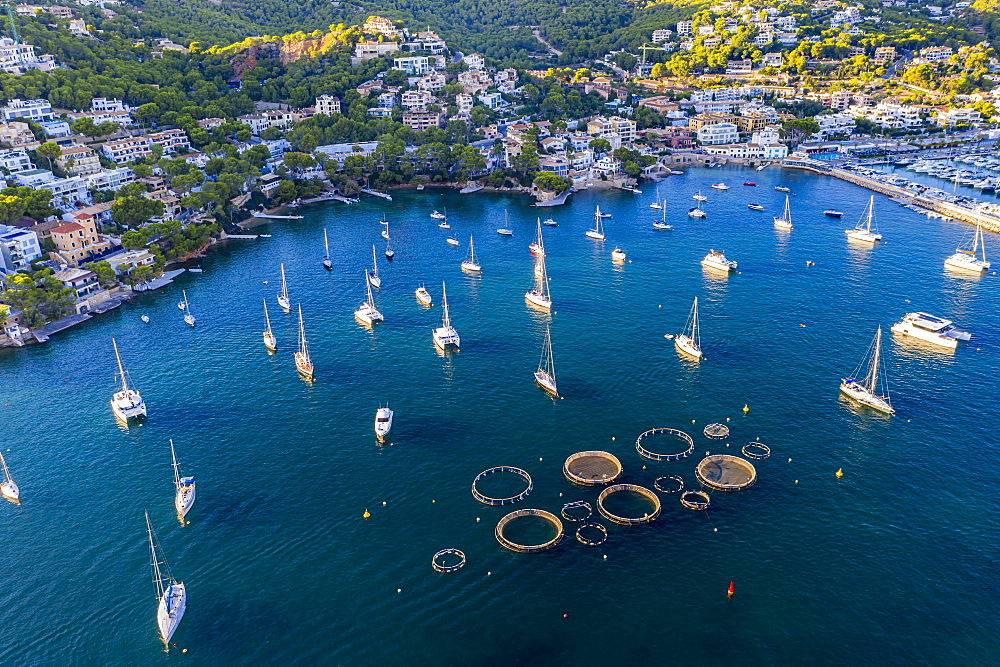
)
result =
(505, 231)
(470, 265)
(545, 375)
(383, 423)
(969, 260)
(366, 312)
(452, 241)
(145, 319)
(445, 336)
(270, 342)
(537, 247)
(327, 262)
(170, 593)
(696, 212)
(617, 255)
(689, 340)
(549, 222)
(188, 315)
(126, 403)
(184, 487)
(373, 277)
(863, 230)
(423, 296)
(832, 213)
(539, 295)
(716, 259)
(871, 390)
(283, 300)
(931, 329)
(438, 216)
(755, 207)
(781, 188)
(303, 360)
(720, 186)
(8, 488)
(699, 197)
(597, 233)
(784, 221)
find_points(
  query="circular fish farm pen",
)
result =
(594, 468)
(669, 444)
(724, 472)
(695, 500)
(628, 498)
(716, 431)
(755, 449)
(505, 473)
(577, 507)
(669, 484)
(529, 531)
(448, 560)
(597, 536)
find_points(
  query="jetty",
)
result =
(376, 193)
(555, 201)
(470, 188)
(271, 216)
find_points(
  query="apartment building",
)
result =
(171, 141)
(412, 65)
(125, 150)
(423, 120)
(79, 160)
(18, 248)
(623, 127)
(36, 110)
(15, 161)
(718, 133)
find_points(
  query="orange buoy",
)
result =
(732, 589)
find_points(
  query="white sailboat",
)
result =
(699, 197)
(188, 316)
(688, 342)
(423, 296)
(505, 230)
(383, 423)
(126, 403)
(283, 301)
(184, 488)
(437, 216)
(444, 221)
(597, 233)
(696, 212)
(537, 247)
(8, 489)
(539, 295)
(373, 278)
(662, 223)
(868, 389)
(270, 342)
(969, 260)
(303, 362)
(545, 376)
(863, 230)
(656, 202)
(366, 312)
(452, 241)
(785, 220)
(445, 336)
(327, 262)
(170, 593)
(470, 265)
(385, 232)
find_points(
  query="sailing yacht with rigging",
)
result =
(283, 301)
(184, 488)
(696, 212)
(385, 232)
(597, 233)
(505, 230)
(373, 278)
(716, 259)
(270, 342)
(867, 389)
(383, 423)
(8, 489)
(537, 247)
(170, 593)
(470, 265)
(445, 336)
(662, 223)
(444, 220)
(366, 312)
(545, 376)
(969, 260)
(785, 220)
(327, 262)
(689, 340)
(423, 296)
(188, 316)
(656, 202)
(126, 403)
(539, 295)
(863, 230)
(303, 362)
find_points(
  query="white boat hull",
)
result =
(546, 382)
(270, 342)
(375, 281)
(368, 315)
(453, 242)
(128, 405)
(284, 302)
(782, 224)
(718, 266)
(446, 338)
(597, 236)
(189, 319)
(617, 257)
(170, 611)
(963, 262)
(686, 346)
(471, 267)
(184, 498)
(534, 298)
(863, 236)
(10, 491)
(908, 329)
(423, 297)
(853, 390)
(697, 214)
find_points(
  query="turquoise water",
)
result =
(894, 562)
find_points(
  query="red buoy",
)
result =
(732, 589)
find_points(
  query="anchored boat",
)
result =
(969, 260)
(170, 593)
(545, 376)
(283, 301)
(689, 340)
(716, 259)
(868, 390)
(270, 342)
(8, 489)
(470, 265)
(931, 329)
(863, 230)
(303, 361)
(597, 233)
(445, 336)
(366, 312)
(126, 403)
(785, 220)
(184, 487)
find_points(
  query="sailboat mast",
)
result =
(374, 263)
(979, 244)
(121, 369)
(871, 213)
(267, 319)
(550, 366)
(695, 331)
(368, 290)
(157, 575)
(872, 379)
(6, 473)
(303, 346)
(446, 320)
(326, 245)
(173, 457)
(284, 285)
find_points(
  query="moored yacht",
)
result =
(270, 342)
(126, 403)
(383, 423)
(617, 255)
(438, 216)
(283, 300)
(969, 260)
(366, 312)
(832, 213)
(170, 593)
(931, 329)
(597, 233)
(188, 315)
(537, 247)
(8, 489)
(863, 230)
(720, 186)
(689, 340)
(423, 296)
(445, 336)
(539, 295)
(452, 241)
(327, 262)
(785, 220)
(781, 188)
(471, 265)
(184, 487)
(373, 278)
(716, 259)
(871, 390)
(545, 375)
(699, 197)
(755, 207)
(696, 212)
(303, 360)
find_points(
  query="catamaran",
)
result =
(445, 336)
(539, 295)
(170, 593)
(383, 423)
(423, 296)
(968, 260)
(270, 342)
(931, 329)
(327, 262)
(8, 489)
(785, 220)
(188, 317)
(470, 265)
(283, 301)
(303, 362)
(537, 247)
(545, 376)
(366, 312)
(184, 489)
(373, 278)
(696, 212)
(126, 403)
(716, 259)
(866, 390)
(863, 230)
(597, 233)
(689, 340)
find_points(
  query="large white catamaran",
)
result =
(126, 403)
(871, 389)
(445, 336)
(969, 260)
(170, 594)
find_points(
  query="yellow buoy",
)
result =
(746, 409)
(796, 481)
(840, 473)
(366, 514)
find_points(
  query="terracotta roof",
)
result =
(67, 229)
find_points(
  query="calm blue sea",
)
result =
(895, 562)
